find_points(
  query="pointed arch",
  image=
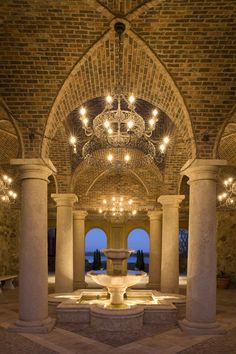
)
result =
(12, 130)
(226, 140)
(143, 74)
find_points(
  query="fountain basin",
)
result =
(117, 253)
(144, 307)
(116, 285)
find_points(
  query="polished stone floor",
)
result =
(66, 339)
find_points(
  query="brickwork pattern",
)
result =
(143, 75)
(176, 55)
(197, 42)
(122, 7)
(40, 43)
(227, 143)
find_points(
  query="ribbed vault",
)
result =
(143, 74)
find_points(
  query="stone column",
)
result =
(155, 249)
(33, 277)
(201, 279)
(79, 248)
(170, 243)
(64, 242)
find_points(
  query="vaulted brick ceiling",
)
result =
(178, 56)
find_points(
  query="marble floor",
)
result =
(77, 340)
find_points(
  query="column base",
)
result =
(80, 285)
(200, 328)
(44, 326)
(153, 286)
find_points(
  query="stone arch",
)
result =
(143, 74)
(102, 174)
(91, 233)
(11, 142)
(136, 243)
(226, 141)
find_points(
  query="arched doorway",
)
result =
(138, 240)
(183, 251)
(95, 239)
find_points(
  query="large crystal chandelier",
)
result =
(118, 209)
(228, 197)
(119, 125)
(7, 195)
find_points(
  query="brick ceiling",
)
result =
(177, 56)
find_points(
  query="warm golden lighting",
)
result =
(110, 131)
(127, 157)
(72, 140)
(162, 148)
(104, 201)
(85, 121)
(166, 140)
(155, 112)
(130, 124)
(82, 111)
(110, 157)
(109, 99)
(106, 124)
(131, 99)
(151, 121)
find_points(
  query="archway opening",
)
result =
(183, 251)
(138, 240)
(95, 240)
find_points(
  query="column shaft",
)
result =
(79, 248)
(170, 243)
(155, 249)
(33, 277)
(201, 281)
(64, 242)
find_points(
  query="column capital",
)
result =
(171, 200)
(65, 199)
(202, 169)
(155, 214)
(79, 214)
(34, 168)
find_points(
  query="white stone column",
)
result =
(170, 243)
(79, 248)
(201, 277)
(64, 242)
(33, 277)
(155, 249)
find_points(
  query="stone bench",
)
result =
(8, 279)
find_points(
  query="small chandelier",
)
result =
(118, 209)
(7, 195)
(228, 197)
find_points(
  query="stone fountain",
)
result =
(116, 280)
(115, 307)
